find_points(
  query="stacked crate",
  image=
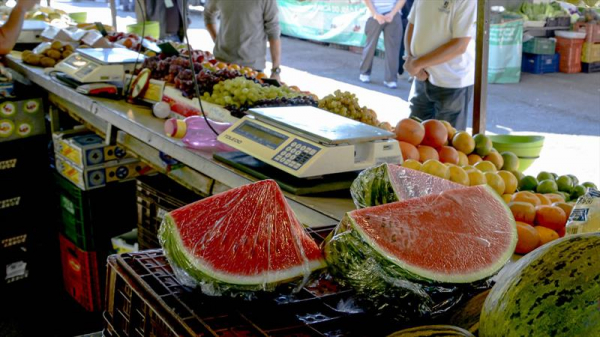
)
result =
(590, 53)
(570, 54)
(539, 56)
(156, 196)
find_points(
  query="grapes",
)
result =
(346, 104)
(242, 92)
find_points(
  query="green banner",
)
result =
(331, 21)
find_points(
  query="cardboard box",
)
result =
(96, 176)
(21, 119)
(84, 148)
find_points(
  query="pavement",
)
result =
(564, 108)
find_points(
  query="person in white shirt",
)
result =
(440, 44)
(384, 17)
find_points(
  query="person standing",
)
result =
(245, 26)
(9, 32)
(404, 13)
(441, 56)
(384, 17)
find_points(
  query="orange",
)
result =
(451, 130)
(458, 175)
(426, 153)
(436, 133)
(552, 217)
(462, 141)
(555, 197)
(543, 199)
(510, 182)
(529, 238)
(561, 232)
(412, 164)
(409, 151)
(485, 166)
(495, 182)
(507, 198)
(436, 168)
(495, 158)
(567, 208)
(546, 234)
(462, 159)
(476, 178)
(410, 131)
(474, 159)
(448, 155)
(522, 211)
(527, 196)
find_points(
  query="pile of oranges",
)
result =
(541, 218)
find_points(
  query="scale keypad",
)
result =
(295, 154)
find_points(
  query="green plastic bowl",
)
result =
(525, 162)
(79, 17)
(522, 146)
(152, 29)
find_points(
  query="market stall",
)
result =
(405, 228)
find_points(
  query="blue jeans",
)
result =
(428, 101)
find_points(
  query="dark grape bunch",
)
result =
(240, 111)
(166, 69)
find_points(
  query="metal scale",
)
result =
(308, 142)
(94, 65)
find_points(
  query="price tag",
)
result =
(16, 269)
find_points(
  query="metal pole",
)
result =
(113, 14)
(481, 66)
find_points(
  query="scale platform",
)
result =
(287, 182)
(90, 65)
(308, 142)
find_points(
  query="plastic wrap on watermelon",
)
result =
(238, 242)
(419, 258)
(585, 216)
(379, 185)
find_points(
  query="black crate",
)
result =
(590, 67)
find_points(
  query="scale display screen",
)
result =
(260, 134)
(76, 61)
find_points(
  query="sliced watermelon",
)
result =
(387, 183)
(246, 238)
(424, 252)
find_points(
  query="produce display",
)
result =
(420, 256)
(540, 11)
(48, 54)
(243, 240)
(552, 291)
(387, 183)
(346, 104)
(433, 330)
(241, 91)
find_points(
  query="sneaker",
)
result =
(364, 78)
(391, 85)
(405, 76)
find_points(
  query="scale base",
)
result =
(287, 182)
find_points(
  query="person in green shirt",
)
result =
(9, 32)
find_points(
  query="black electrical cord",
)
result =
(183, 14)
(137, 59)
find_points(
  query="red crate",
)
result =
(592, 31)
(570, 54)
(80, 274)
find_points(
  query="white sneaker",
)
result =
(364, 78)
(391, 85)
(405, 76)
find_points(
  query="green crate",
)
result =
(540, 46)
(90, 218)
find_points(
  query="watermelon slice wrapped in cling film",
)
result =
(238, 242)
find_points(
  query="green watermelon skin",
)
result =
(552, 291)
(433, 331)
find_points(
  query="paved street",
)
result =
(565, 108)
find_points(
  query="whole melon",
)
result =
(552, 291)
(433, 330)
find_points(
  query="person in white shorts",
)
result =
(440, 44)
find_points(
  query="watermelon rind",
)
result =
(552, 291)
(433, 330)
(372, 187)
(215, 282)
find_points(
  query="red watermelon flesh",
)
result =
(459, 236)
(247, 235)
(409, 183)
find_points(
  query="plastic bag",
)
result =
(505, 53)
(585, 216)
(239, 242)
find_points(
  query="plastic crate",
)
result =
(540, 64)
(14, 260)
(570, 54)
(540, 46)
(91, 218)
(590, 52)
(156, 196)
(590, 67)
(80, 274)
(592, 31)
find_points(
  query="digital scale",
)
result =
(93, 65)
(31, 31)
(306, 142)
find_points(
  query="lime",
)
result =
(578, 191)
(574, 178)
(590, 185)
(565, 195)
(483, 144)
(547, 186)
(518, 174)
(511, 161)
(545, 176)
(554, 175)
(486, 166)
(528, 183)
(564, 183)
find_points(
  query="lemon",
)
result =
(495, 182)
(412, 164)
(485, 166)
(463, 142)
(436, 168)
(510, 182)
(476, 177)
(458, 175)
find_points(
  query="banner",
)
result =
(505, 53)
(332, 21)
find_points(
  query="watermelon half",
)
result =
(379, 185)
(424, 252)
(245, 239)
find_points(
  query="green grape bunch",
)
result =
(346, 104)
(240, 91)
